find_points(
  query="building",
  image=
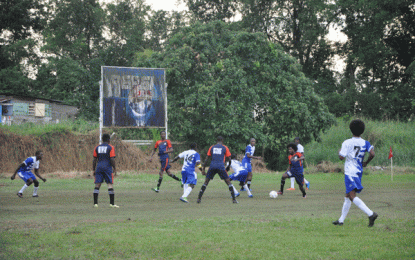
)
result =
(21, 109)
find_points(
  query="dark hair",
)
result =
(233, 156)
(162, 131)
(357, 127)
(219, 139)
(106, 137)
(38, 152)
(293, 145)
(297, 138)
(193, 146)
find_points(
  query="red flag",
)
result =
(390, 153)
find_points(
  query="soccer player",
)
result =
(239, 174)
(218, 154)
(246, 161)
(300, 149)
(103, 168)
(295, 169)
(165, 148)
(189, 175)
(354, 150)
(24, 171)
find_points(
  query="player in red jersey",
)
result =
(103, 167)
(219, 154)
(295, 169)
(165, 147)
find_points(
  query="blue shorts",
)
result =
(26, 176)
(189, 177)
(212, 172)
(247, 166)
(164, 164)
(239, 176)
(299, 176)
(101, 176)
(352, 183)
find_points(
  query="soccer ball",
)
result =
(273, 194)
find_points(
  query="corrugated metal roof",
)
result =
(2, 100)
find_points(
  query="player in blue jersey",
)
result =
(24, 171)
(103, 168)
(295, 168)
(246, 161)
(354, 150)
(189, 175)
(165, 147)
(239, 174)
(218, 154)
(300, 149)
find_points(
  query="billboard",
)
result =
(133, 97)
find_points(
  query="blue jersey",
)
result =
(191, 157)
(104, 152)
(296, 167)
(163, 146)
(218, 152)
(354, 151)
(248, 150)
(29, 164)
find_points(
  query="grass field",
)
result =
(62, 224)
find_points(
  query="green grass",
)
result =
(62, 224)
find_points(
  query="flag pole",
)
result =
(392, 169)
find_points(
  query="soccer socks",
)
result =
(175, 177)
(249, 184)
(96, 193)
(247, 190)
(202, 190)
(358, 202)
(346, 206)
(282, 184)
(159, 183)
(112, 195)
(234, 190)
(23, 188)
(231, 188)
(305, 181)
(302, 190)
(292, 179)
(35, 190)
(187, 190)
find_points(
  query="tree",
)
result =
(224, 81)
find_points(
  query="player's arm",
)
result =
(229, 166)
(94, 165)
(176, 158)
(112, 161)
(371, 156)
(15, 172)
(253, 157)
(204, 165)
(38, 175)
(199, 165)
(151, 156)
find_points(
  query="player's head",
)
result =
(106, 138)
(193, 146)
(297, 140)
(252, 141)
(292, 148)
(39, 155)
(233, 156)
(357, 127)
(219, 139)
(163, 134)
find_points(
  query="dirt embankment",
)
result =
(67, 152)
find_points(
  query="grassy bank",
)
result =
(381, 134)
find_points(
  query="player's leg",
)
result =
(236, 177)
(231, 189)
(299, 179)
(109, 179)
(345, 210)
(160, 179)
(292, 179)
(35, 188)
(172, 175)
(284, 176)
(209, 175)
(96, 190)
(360, 204)
(243, 175)
(27, 177)
(307, 184)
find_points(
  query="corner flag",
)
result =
(390, 153)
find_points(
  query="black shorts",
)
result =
(222, 173)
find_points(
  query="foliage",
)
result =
(225, 81)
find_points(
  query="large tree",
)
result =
(224, 81)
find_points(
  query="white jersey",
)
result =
(191, 157)
(300, 148)
(236, 166)
(354, 150)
